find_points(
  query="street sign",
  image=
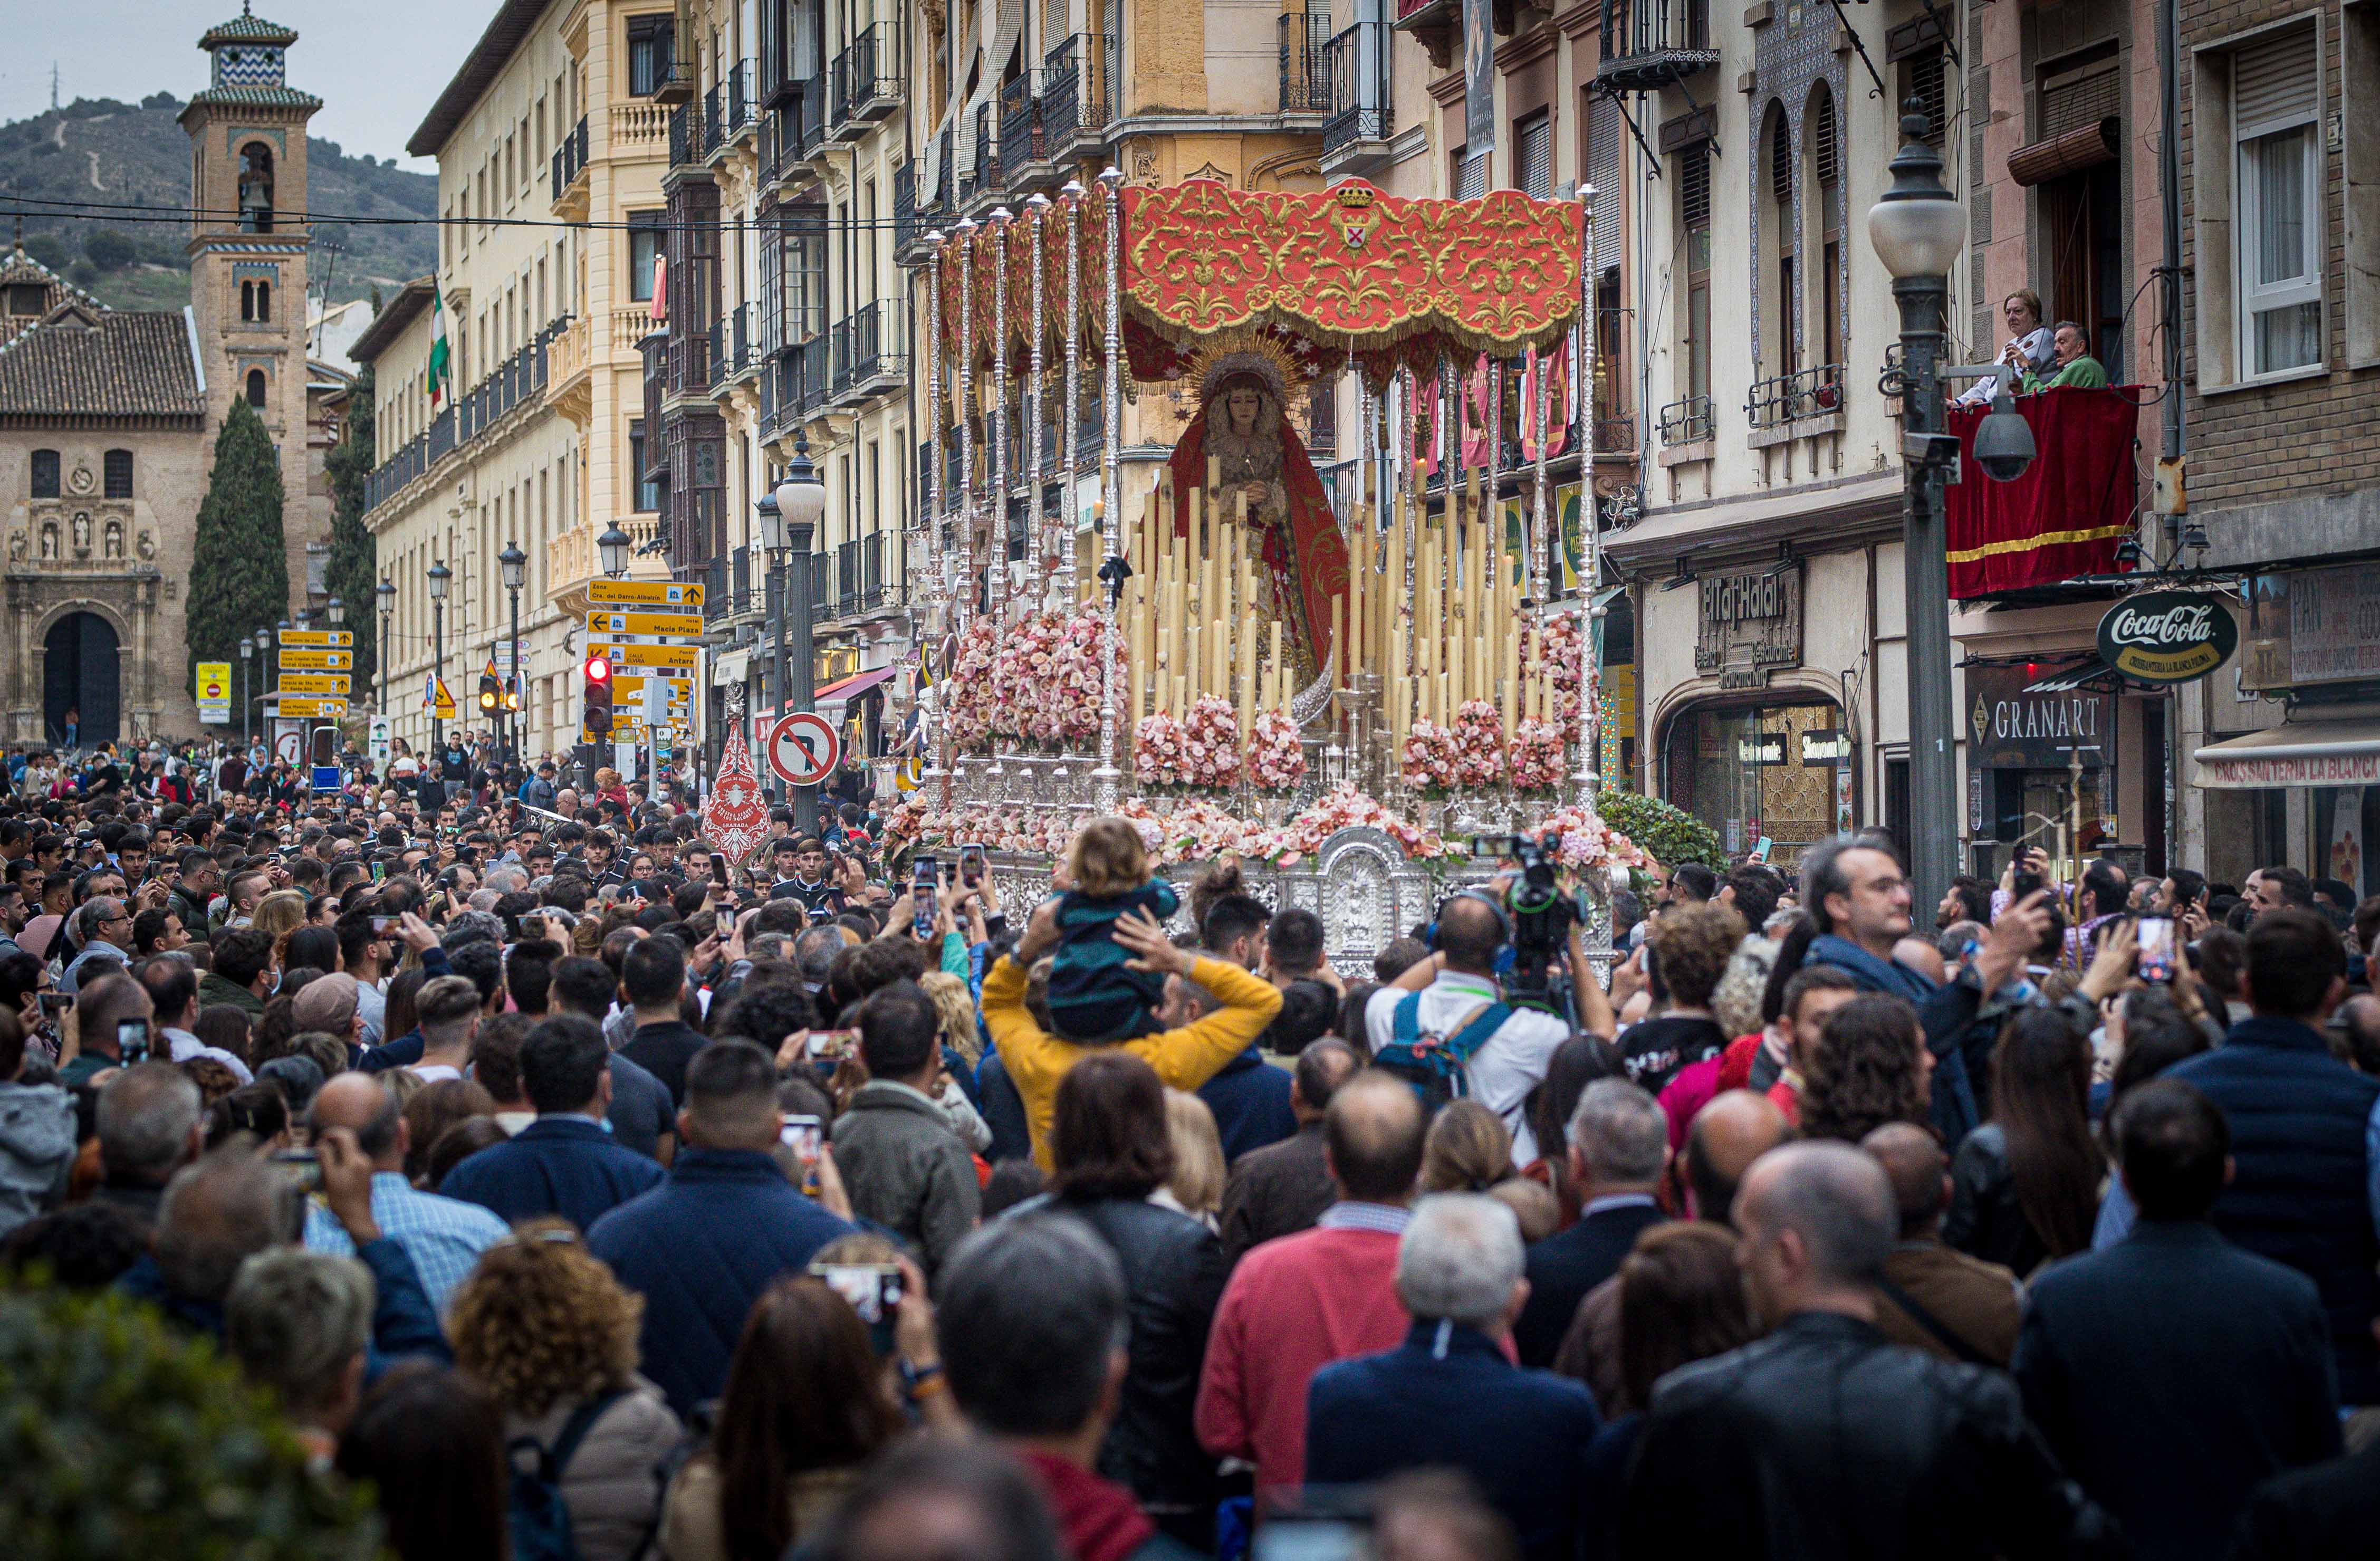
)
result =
(643, 593)
(314, 683)
(804, 749)
(289, 743)
(380, 733)
(679, 659)
(628, 688)
(312, 710)
(685, 626)
(442, 703)
(321, 639)
(318, 661)
(214, 689)
(630, 728)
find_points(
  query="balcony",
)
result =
(743, 111)
(867, 80)
(572, 563)
(986, 182)
(870, 354)
(1305, 62)
(1077, 107)
(640, 129)
(1022, 142)
(688, 127)
(1651, 44)
(908, 230)
(1793, 406)
(858, 569)
(1690, 421)
(569, 369)
(569, 165)
(1358, 73)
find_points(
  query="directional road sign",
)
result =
(644, 594)
(312, 710)
(687, 625)
(629, 690)
(314, 683)
(677, 659)
(321, 639)
(318, 661)
(804, 749)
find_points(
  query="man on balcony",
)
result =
(2029, 349)
(2074, 367)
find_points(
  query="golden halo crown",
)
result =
(1244, 350)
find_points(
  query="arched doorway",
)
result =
(82, 670)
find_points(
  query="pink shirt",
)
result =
(1293, 1306)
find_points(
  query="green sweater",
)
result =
(2084, 374)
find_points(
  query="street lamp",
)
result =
(246, 660)
(771, 520)
(614, 545)
(1918, 229)
(514, 564)
(336, 612)
(386, 594)
(440, 577)
(801, 505)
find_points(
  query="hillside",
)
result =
(97, 149)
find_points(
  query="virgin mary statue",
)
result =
(1258, 459)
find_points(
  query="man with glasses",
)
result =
(104, 924)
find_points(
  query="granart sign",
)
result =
(2012, 729)
(2167, 636)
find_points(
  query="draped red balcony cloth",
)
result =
(2069, 511)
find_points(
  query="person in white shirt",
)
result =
(2030, 347)
(1459, 980)
(173, 985)
(448, 1011)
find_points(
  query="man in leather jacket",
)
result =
(1825, 1440)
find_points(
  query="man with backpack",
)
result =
(1445, 1026)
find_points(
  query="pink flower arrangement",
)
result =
(1158, 750)
(1536, 757)
(1210, 745)
(1021, 674)
(1428, 758)
(1345, 807)
(1276, 757)
(967, 697)
(1588, 843)
(1072, 693)
(1479, 744)
(1562, 645)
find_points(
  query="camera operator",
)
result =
(1457, 984)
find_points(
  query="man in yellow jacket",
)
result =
(1184, 1058)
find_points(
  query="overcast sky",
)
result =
(377, 64)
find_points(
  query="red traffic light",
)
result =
(599, 669)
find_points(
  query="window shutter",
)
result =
(1825, 156)
(1603, 172)
(1781, 166)
(1924, 75)
(1693, 184)
(1536, 159)
(2273, 84)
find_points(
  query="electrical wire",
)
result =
(135, 212)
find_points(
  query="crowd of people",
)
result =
(568, 1188)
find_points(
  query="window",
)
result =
(644, 252)
(263, 300)
(256, 188)
(27, 297)
(1693, 219)
(256, 388)
(650, 54)
(648, 490)
(248, 300)
(45, 474)
(1780, 306)
(1826, 165)
(2274, 103)
(1470, 174)
(118, 466)
(1533, 140)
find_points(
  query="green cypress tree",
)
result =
(353, 569)
(239, 570)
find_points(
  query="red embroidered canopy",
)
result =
(1334, 273)
(2069, 511)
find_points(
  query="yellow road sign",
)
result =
(636, 594)
(678, 658)
(629, 689)
(314, 683)
(321, 639)
(444, 706)
(318, 661)
(687, 625)
(301, 710)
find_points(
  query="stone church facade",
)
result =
(108, 419)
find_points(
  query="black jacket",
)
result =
(1824, 1440)
(1986, 1220)
(1564, 1267)
(2330, 1512)
(1174, 1273)
(1277, 1190)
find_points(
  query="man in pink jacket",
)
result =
(1295, 1304)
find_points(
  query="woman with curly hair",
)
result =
(805, 1410)
(551, 1337)
(280, 913)
(1870, 1066)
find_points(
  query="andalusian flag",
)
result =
(441, 372)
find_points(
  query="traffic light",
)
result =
(492, 693)
(511, 693)
(598, 669)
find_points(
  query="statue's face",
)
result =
(1241, 406)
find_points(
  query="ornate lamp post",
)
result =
(801, 505)
(514, 565)
(441, 579)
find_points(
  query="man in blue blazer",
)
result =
(1449, 1396)
(722, 1226)
(565, 1162)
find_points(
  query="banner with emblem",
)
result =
(736, 816)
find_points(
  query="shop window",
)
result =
(1749, 771)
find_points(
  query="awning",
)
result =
(2085, 146)
(842, 690)
(2294, 753)
(2066, 679)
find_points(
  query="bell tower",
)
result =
(248, 250)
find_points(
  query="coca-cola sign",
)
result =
(2169, 636)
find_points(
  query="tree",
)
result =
(239, 568)
(353, 569)
(108, 249)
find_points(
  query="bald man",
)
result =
(1825, 1438)
(443, 1236)
(1936, 1299)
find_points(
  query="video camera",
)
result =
(1539, 915)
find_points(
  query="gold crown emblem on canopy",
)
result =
(1245, 350)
